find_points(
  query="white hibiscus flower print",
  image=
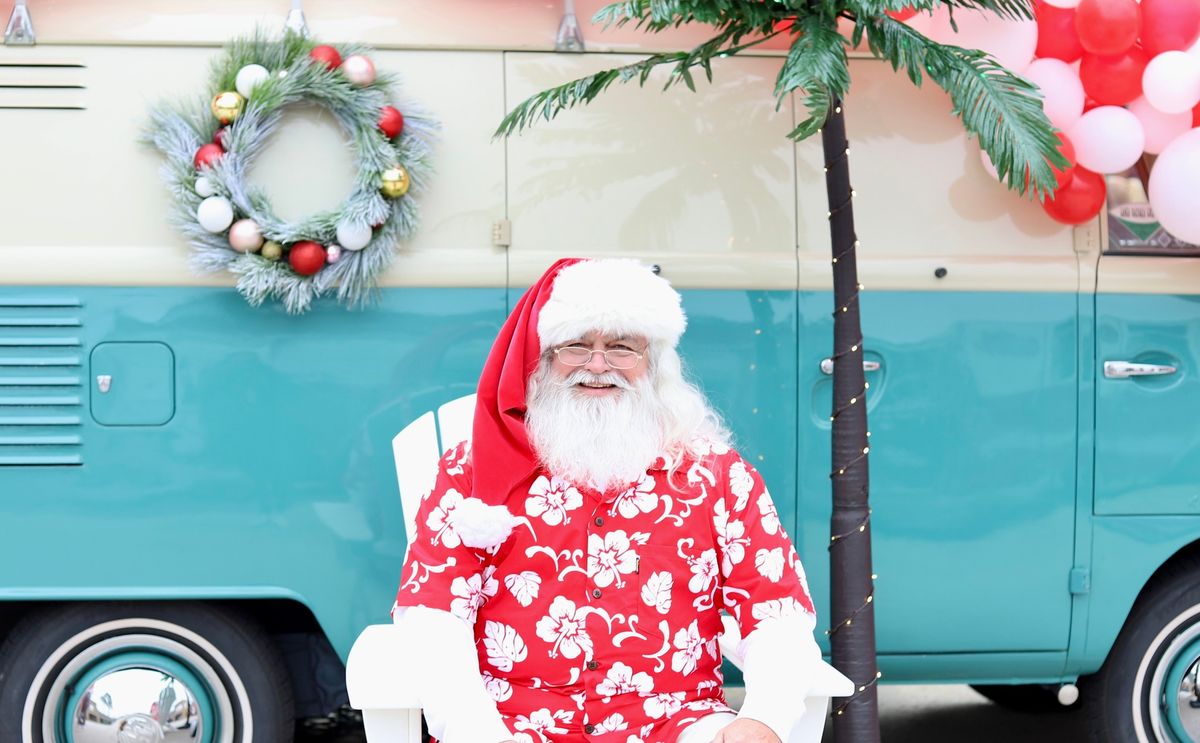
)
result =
(612, 724)
(740, 483)
(769, 563)
(552, 499)
(610, 557)
(524, 586)
(439, 519)
(456, 458)
(621, 679)
(641, 498)
(689, 645)
(664, 704)
(504, 645)
(469, 594)
(564, 629)
(731, 538)
(542, 721)
(704, 571)
(770, 516)
(498, 689)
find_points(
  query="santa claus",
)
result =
(571, 564)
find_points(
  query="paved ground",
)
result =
(920, 714)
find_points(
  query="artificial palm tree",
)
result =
(998, 107)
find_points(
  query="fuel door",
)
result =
(132, 384)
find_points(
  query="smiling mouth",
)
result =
(597, 385)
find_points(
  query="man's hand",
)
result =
(746, 731)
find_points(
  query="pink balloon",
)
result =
(1171, 82)
(1107, 139)
(1174, 183)
(1061, 90)
(1161, 129)
(1011, 42)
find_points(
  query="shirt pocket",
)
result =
(674, 581)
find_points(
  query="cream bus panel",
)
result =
(924, 201)
(90, 205)
(677, 178)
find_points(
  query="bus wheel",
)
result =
(1148, 683)
(124, 671)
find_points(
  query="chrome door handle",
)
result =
(827, 366)
(1124, 369)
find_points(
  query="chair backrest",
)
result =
(419, 446)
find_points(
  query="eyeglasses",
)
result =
(616, 358)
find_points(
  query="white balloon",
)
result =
(1171, 82)
(353, 236)
(215, 213)
(1063, 3)
(1107, 139)
(1062, 91)
(248, 77)
(1174, 183)
(1161, 129)
(205, 187)
(1011, 42)
(988, 166)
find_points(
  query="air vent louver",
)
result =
(42, 85)
(41, 382)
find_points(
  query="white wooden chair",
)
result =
(389, 700)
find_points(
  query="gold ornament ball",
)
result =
(394, 182)
(272, 250)
(227, 106)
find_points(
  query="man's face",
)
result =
(596, 343)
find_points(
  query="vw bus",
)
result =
(199, 499)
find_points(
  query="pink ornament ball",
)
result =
(245, 236)
(359, 70)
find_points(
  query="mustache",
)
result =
(582, 376)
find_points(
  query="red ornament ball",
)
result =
(306, 257)
(391, 122)
(218, 137)
(327, 56)
(207, 155)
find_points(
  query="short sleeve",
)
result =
(440, 572)
(762, 577)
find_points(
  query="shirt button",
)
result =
(593, 665)
(599, 521)
(589, 728)
(596, 593)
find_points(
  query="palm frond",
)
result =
(1003, 110)
(659, 15)
(817, 65)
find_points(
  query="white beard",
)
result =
(598, 441)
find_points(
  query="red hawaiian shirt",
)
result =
(597, 619)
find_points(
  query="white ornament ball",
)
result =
(1171, 82)
(248, 77)
(333, 253)
(359, 70)
(352, 236)
(245, 236)
(1107, 139)
(205, 187)
(215, 213)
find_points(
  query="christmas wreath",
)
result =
(210, 144)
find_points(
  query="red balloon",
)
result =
(306, 257)
(327, 56)
(207, 155)
(1169, 25)
(1116, 80)
(1064, 176)
(1196, 116)
(1079, 201)
(903, 14)
(1107, 26)
(391, 122)
(1057, 36)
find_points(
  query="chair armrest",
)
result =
(382, 670)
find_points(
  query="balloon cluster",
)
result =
(1119, 79)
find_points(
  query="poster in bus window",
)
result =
(1132, 228)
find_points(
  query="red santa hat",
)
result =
(612, 295)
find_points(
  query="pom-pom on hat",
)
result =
(613, 296)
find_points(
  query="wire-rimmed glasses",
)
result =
(616, 358)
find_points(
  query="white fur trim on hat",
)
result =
(613, 296)
(482, 526)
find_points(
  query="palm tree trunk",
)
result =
(852, 620)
